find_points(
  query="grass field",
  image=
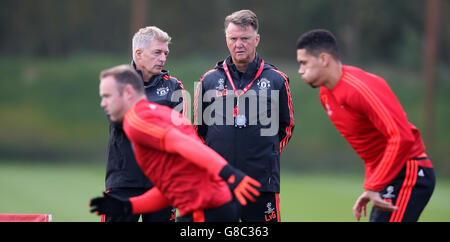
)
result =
(64, 190)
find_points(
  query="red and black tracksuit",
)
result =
(369, 116)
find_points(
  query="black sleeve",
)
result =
(286, 114)
(198, 123)
(178, 98)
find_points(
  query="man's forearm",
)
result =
(194, 150)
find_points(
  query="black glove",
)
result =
(240, 184)
(110, 205)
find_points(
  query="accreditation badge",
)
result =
(240, 121)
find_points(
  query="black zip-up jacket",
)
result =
(246, 148)
(122, 170)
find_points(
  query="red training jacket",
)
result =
(187, 186)
(368, 115)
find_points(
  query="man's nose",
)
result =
(102, 103)
(163, 57)
(239, 43)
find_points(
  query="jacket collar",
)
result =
(248, 75)
(154, 80)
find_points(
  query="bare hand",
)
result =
(377, 202)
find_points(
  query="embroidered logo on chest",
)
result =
(162, 91)
(324, 99)
(221, 88)
(263, 84)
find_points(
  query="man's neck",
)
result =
(242, 66)
(146, 76)
(136, 100)
(334, 75)
(130, 104)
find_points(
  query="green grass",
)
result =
(327, 197)
(64, 190)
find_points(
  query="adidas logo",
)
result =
(421, 173)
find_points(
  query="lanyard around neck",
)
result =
(227, 72)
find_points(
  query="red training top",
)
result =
(368, 115)
(187, 186)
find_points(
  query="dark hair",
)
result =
(242, 18)
(317, 41)
(124, 75)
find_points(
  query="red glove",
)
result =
(242, 186)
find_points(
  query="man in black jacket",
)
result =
(124, 178)
(243, 110)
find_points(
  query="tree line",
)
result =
(382, 30)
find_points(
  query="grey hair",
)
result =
(243, 18)
(144, 36)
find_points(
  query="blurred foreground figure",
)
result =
(186, 174)
(399, 179)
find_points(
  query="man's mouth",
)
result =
(310, 84)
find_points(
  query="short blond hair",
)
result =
(144, 36)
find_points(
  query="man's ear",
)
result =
(138, 54)
(324, 59)
(128, 92)
(258, 38)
